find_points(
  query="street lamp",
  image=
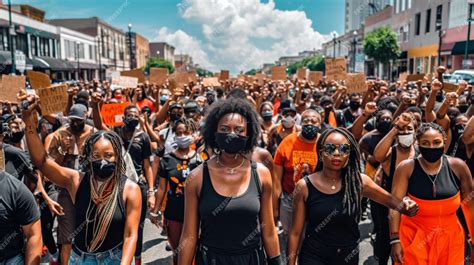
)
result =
(78, 65)
(440, 35)
(334, 44)
(470, 18)
(354, 50)
(130, 45)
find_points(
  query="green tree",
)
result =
(382, 45)
(313, 63)
(251, 72)
(159, 63)
(203, 72)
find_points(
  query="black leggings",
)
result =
(47, 222)
(143, 189)
(204, 256)
(382, 232)
(327, 255)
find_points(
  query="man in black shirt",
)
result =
(352, 112)
(19, 216)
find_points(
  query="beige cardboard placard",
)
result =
(53, 99)
(448, 87)
(178, 80)
(224, 76)
(278, 73)
(315, 76)
(415, 77)
(11, 85)
(260, 78)
(241, 77)
(38, 80)
(356, 83)
(138, 73)
(192, 75)
(403, 76)
(211, 81)
(125, 81)
(158, 76)
(301, 73)
(336, 69)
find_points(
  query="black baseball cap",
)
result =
(78, 111)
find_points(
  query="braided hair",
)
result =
(429, 126)
(351, 176)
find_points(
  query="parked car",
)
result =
(458, 75)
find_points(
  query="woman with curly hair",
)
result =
(330, 202)
(228, 199)
(108, 205)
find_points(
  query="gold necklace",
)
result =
(230, 170)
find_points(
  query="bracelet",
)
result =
(393, 242)
(151, 192)
(274, 260)
(152, 214)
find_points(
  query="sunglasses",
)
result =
(330, 149)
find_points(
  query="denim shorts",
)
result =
(17, 260)
(110, 257)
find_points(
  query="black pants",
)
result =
(205, 256)
(143, 189)
(327, 255)
(382, 237)
(47, 222)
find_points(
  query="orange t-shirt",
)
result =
(292, 154)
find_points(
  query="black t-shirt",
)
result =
(372, 140)
(139, 150)
(17, 161)
(17, 208)
(176, 171)
(349, 117)
(370, 124)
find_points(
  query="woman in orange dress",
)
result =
(438, 183)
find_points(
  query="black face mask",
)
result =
(103, 169)
(231, 143)
(309, 131)
(354, 105)
(77, 127)
(175, 117)
(463, 108)
(439, 97)
(17, 136)
(431, 154)
(458, 129)
(384, 126)
(131, 124)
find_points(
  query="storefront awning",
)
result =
(460, 48)
(56, 64)
(88, 66)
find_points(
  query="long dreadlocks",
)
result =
(104, 198)
(351, 177)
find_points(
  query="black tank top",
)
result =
(114, 236)
(447, 183)
(387, 180)
(328, 222)
(470, 164)
(230, 224)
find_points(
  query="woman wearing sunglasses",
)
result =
(330, 201)
(440, 185)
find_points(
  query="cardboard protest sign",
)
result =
(315, 76)
(415, 77)
(53, 99)
(193, 76)
(11, 85)
(38, 80)
(403, 76)
(211, 81)
(336, 69)
(158, 76)
(260, 78)
(241, 77)
(448, 87)
(125, 81)
(138, 73)
(301, 73)
(278, 73)
(224, 76)
(112, 114)
(356, 83)
(178, 80)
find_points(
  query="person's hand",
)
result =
(151, 201)
(409, 207)
(424, 91)
(156, 220)
(370, 108)
(406, 100)
(72, 91)
(403, 120)
(397, 253)
(96, 98)
(441, 69)
(436, 85)
(452, 96)
(463, 85)
(143, 119)
(29, 103)
(55, 207)
(383, 90)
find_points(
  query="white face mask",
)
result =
(184, 141)
(406, 140)
(288, 122)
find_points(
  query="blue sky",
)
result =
(191, 26)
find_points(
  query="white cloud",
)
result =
(243, 34)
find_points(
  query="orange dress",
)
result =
(434, 236)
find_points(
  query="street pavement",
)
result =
(154, 244)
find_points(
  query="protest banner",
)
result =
(112, 114)
(448, 87)
(260, 78)
(138, 73)
(336, 69)
(224, 76)
(415, 77)
(301, 73)
(158, 76)
(356, 83)
(403, 77)
(10, 86)
(315, 76)
(125, 81)
(192, 75)
(178, 80)
(278, 73)
(241, 77)
(38, 80)
(53, 99)
(211, 81)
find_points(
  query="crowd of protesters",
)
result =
(224, 170)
